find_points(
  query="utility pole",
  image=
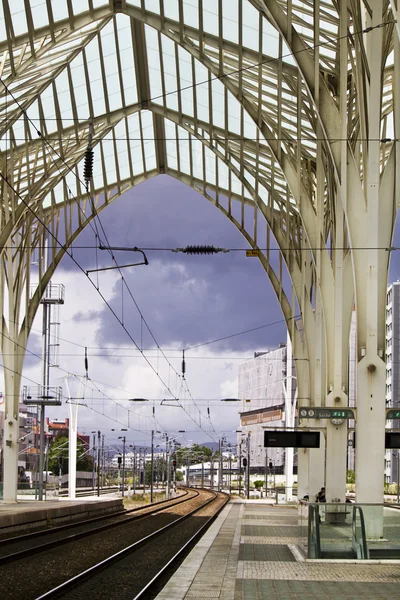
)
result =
(123, 464)
(134, 471)
(94, 457)
(174, 463)
(187, 469)
(167, 465)
(152, 466)
(219, 464)
(212, 471)
(102, 461)
(398, 474)
(144, 470)
(98, 462)
(202, 470)
(119, 460)
(239, 471)
(248, 466)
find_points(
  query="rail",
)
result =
(150, 509)
(95, 569)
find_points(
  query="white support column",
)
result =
(12, 381)
(73, 405)
(290, 413)
(316, 462)
(311, 465)
(336, 453)
(371, 371)
(72, 444)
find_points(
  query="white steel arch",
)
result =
(282, 105)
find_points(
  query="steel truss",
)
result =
(281, 113)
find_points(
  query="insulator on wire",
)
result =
(200, 250)
(86, 363)
(183, 364)
(88, 166)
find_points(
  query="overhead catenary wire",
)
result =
(324, 43)
(282, 56)
(107, 246)
(106, 302)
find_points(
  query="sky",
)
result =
(186, 301)
(175, 303)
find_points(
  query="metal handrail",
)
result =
(314, 535)
(362, 545)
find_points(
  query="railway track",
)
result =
(29, 573)
(21, 546)
(153, 557)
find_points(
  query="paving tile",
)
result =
(249, 558)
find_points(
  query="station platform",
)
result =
(28, 515)
(250, 552)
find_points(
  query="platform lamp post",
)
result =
(123, 438)
(152, 465)
(98, 462)
(248, 465)
(133, 469)
(94, 457)
(239, 469)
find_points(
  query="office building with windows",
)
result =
(392, 373)
(262, 388)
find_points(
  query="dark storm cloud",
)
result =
(186, 300)
(33, 351)
(85, 316)
(160, 213)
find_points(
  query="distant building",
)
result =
(352, 390)
(392, 371)
(262, 383)
(61, 428)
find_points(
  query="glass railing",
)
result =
(359, 536)
(354, 531)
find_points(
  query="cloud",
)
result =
(184, 300)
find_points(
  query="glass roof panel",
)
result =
(3, 34)
(171, 145)
(153, 6)
(60, 9)
(191, 14)
(171, 9)
(153, 56)
(80, 6)
(127, 60)
(135, 144)
(210, 16)
(230, 11)
(250, 18)
(18, 16)
(39, 14)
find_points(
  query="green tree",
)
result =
(59, 448)
(194, 454)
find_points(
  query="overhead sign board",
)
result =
(252, 252)
(393, 414)
(326, 413)
(291, 439)
(392, 439)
